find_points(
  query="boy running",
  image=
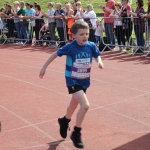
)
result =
(79, 55)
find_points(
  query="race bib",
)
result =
(81, 69)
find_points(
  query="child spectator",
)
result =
(98, 32)
(78, 65)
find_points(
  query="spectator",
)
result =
(108, 22)
(29, 18)
(139, 23)
(79, 13)
(147, 15)
(126, 22)
(90, 19)
(5, 12)
(23, 23)
(69, 20)
(17, 20)
(59, 15)
(10, 23)
(74, 8)
(116, 13)
(51, 22)
(35, 3)
(98, 32)
(38, 21)
(2, 20)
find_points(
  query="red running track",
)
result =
(119, 117)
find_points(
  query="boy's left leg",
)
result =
(80, 96)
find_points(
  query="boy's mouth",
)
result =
(84, 40)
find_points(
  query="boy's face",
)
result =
(81, 36)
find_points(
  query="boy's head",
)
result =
(79, 25)
(80, 31)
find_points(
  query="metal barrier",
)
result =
(29, 30)
(124, 36)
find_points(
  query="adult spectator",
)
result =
(74, 8)
(51, 22)
(116, 13)
(147, 15)
(10, 21)
(35, 3)
(90, 19)
(17, 20)
(69, 20)
(79, 13)
(59, 15)
(38, 20)
(5, 12)
(23, 22)
(139, 23)
(29, 18)
(126, 22)
(108, 22)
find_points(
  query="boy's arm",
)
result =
(43, 70)
(99, 61)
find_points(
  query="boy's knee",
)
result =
(86, 107)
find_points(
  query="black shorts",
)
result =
(75, 88)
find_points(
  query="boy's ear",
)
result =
(73, 35)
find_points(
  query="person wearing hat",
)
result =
(116, 13)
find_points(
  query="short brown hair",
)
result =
(79, 25)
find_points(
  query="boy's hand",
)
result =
(101, 65)
(42, 73)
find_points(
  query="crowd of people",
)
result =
(119, 21)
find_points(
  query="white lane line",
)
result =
(36, 146)
(55, 90)
(44, 58)
(30, 125)
(61, 92)
(91, 78)
(35, 85)
(130, 118)
(57, 143)
(34, 126)
(129, 99)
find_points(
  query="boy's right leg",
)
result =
(64, 121)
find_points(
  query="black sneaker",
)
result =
(64, 124)
(76, 139)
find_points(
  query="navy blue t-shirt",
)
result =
(78, 62)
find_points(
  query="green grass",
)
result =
(95, 3)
